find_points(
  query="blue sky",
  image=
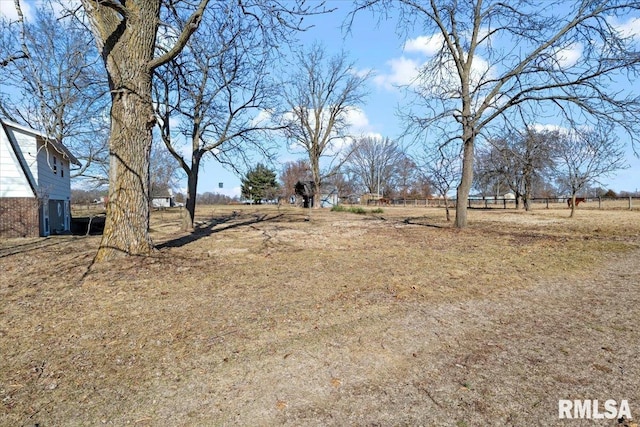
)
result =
(376, 46)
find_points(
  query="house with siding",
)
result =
(35, 183)
(162, 201)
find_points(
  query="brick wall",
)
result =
(19, 217)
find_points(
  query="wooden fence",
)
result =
(629, 203)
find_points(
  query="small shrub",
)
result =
(354, 209)
(377, 211)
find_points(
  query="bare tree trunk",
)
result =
(127, 224)
(527, 189)
(315, 172)
(446, 207)
(188, 220)
(317, 196)
(127, 53)
(573, 205)
(462, 194)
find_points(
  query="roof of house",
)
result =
(56, 145)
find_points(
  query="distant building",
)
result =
(163, 201)
(35, 183)
(328, 195)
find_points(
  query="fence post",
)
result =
(599, 202)
(630, 204)
(547, 199)
(504, 202)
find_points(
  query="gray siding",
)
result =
(53, 173)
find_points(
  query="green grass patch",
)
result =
(355, 209)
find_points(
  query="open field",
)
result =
(291, 317)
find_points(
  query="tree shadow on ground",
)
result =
(422, 221)
(216, 225)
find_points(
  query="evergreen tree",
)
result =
(259, 184)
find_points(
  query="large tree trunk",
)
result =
(127, 49)
(127, 224)
(462, 194)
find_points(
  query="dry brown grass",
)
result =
(271, 317)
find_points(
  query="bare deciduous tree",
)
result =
(519, 158)
(53, 81)
(164, 171)
(583, 156)
(319, 97)
(498, 61)
(442, 166)
(291, 173)
(375, 163)
(221, 89)
(127, 37)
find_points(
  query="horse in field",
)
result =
(578, 201)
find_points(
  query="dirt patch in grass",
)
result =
(268, 316)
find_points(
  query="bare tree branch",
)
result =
(190, 27)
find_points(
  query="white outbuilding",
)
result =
(35, 183)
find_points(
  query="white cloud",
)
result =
(482, 33)
(357, 123)
(404, 72)
(166, 38)
(29, 7)
(443, 80)
(358, 126)
(365, 72)
(630, 28)
(569, 56)
(539, 127)
(8, 10)
(357, 120)
(262, 119)
(427, 45)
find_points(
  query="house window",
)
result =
(55, 165)
(62, 169)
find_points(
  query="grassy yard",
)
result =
(268, 316)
